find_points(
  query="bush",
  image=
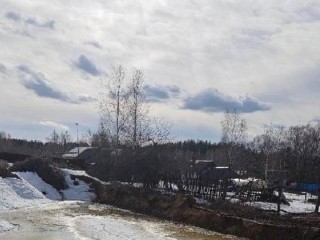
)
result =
(4, 172)
(3, 164)
(45, 170)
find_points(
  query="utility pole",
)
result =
(77, 124)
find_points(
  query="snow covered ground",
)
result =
(16, 193)
(78, 190)
(81, 173)
(5, 226)
(47, 190)
(31, 192)
(298, 204)
(31, 208)
(67, 220)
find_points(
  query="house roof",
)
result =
(76, 152)
(201, 165)
(204, 161)
(208, 169)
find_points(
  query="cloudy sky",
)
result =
(200, 57)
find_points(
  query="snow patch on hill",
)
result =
(18, 193)
(78, 190)
(45, 188)
(5, 226)
(31, 190)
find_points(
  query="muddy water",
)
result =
(76, 221)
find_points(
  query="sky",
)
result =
(200, 58)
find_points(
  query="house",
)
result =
(79, 153)
(97, 162)
(209, 173)
(83, 156)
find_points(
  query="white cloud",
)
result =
(54, 125)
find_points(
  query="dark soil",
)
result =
(248, 212)
(224, 217)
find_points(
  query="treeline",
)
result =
(56, 145)
(294, 151)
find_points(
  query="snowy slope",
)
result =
(5, 226)
(33, 179)
(17, 193)
(79, 191)
(28, 191)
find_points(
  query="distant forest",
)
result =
(294, 150)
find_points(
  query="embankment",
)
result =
(182, 208)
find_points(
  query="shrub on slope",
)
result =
(4, 172)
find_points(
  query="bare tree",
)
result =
(113, 105)
(65, 138)
(272, 145)
(5, 143)
(273, 141)
(54, 137)
(125, 115)
(304, 143)
(234, 132)
(138, 109)
(4, 135)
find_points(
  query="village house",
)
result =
(97, 162)
(209, 173)
(82, 156)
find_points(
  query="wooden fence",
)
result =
(220, 190)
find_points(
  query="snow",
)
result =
(18, 193)
(5, 226)
(38, 183)
(81, 173)
(201, 201)
(78, 190)
(28, 191)
(112, 228)
(75, 172)
(257, 183)
(25, 210)
(75, 152)
(298, 204)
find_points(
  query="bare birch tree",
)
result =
(113, 105)
(234, 132)
(137, 109)
(125, 114)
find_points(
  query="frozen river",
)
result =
(71, 220)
